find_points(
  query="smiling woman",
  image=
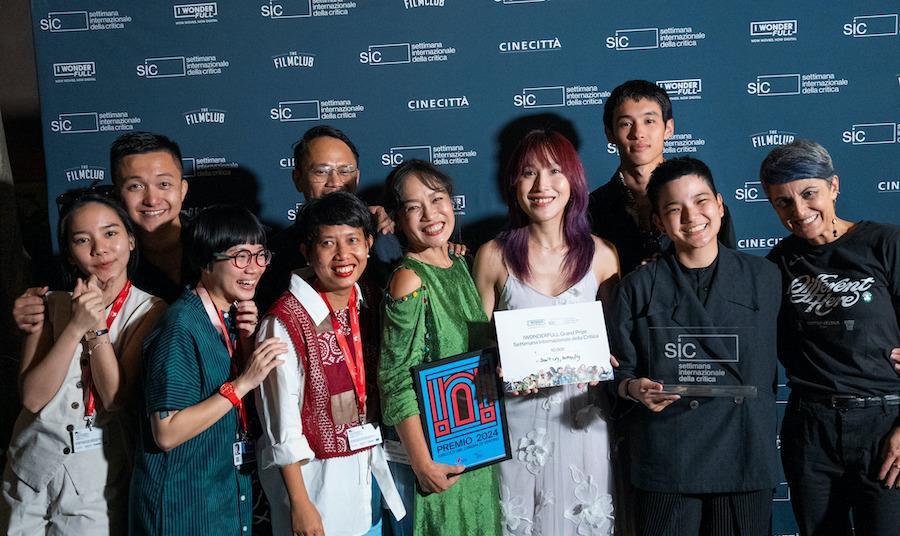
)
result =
(200, 363)
(78, 365)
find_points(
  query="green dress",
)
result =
(442, 318)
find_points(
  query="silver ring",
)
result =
(897, 465)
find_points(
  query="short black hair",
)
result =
(301, 148)
(79, 198)
(674, 169)
(428, 173)
(636, 90)
(335, 208)
(215, 229)
(140, 143)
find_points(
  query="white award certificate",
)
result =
(556, 345)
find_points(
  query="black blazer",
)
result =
(702, 445)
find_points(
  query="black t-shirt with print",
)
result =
(840, 311)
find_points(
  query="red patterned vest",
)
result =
(327, 379)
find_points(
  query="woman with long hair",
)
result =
(68, 462)
(559, 480)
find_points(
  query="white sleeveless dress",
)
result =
(559, 479)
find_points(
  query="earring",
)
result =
(834, 225)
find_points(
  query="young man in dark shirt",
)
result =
(637, 118)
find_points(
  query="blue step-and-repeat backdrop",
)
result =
(236, 83)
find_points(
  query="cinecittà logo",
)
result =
(83, 21)
(889, 186)
(75, 71)
(758, 243)
(530, 45)
(204, 116)
(85, 172)
(441, 103)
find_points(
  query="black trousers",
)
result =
(708, 514)
(831, 459)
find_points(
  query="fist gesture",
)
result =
(88, 306)
(245, 319)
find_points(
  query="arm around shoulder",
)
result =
(489, 274)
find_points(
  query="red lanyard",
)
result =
(353, 359)
(218, 322)
(90, 405)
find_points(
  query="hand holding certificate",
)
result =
(556, 345)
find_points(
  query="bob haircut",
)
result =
(214, 230)
(636, 90)
(79, 199)
(336, 208)
(674, 169)
(301, 148)
(800, 159)
(539, 147)
(430, 176)
(140, 143)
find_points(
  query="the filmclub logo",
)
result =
(872, 26)
(750, 192)
(204, 116)
(412, 4)
(772, 138)
(683, 89)
(773, 31)
(76, 123)
(205, 10)
(774, 85)
(758, 243)
(293, 59)
(626, 39)
(74, 71)
(872, 134)
(85, 172)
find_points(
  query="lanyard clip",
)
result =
(89, 420)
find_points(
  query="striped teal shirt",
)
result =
(195, 487)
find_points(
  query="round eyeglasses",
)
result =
(242, 258)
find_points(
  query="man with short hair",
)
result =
(637, 118)
(147, 177)
(325, 161)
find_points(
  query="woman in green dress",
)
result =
(192, 473)
(432, 311)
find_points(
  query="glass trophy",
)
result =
(699, 361)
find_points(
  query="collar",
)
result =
(310, 298)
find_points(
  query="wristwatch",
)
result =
(92, 334)
(227, 390)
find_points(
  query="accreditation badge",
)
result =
(87, 439)
(363, 436)
(243, 451)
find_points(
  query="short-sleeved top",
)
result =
(194, 488)
(841, 311)
(442, 318)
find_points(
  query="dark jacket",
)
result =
(702, 445)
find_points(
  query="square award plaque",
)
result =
(461, 408)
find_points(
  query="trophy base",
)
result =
(727, 391)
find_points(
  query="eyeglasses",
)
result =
(241, 259)
(320, 174)
(65, 200)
